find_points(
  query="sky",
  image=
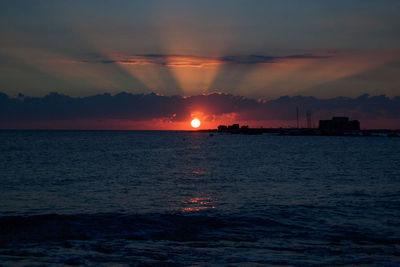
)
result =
(257, 50)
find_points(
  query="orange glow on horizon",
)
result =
(159, 124)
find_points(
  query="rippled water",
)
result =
(179, 198)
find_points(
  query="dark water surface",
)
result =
(102, 198)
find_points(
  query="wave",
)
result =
(205, 236)
(151, 226)
(178, 227)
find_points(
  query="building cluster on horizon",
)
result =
(230, 128)
(335, 126)
(236, 129)
(339, 125)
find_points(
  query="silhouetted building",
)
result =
(339, 125)
(222, 128)
(233, 127)
(244, 127)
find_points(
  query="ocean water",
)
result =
(139, 198)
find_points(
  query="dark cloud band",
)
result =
(142, 107)
(192, 61)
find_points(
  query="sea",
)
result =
(175, 198)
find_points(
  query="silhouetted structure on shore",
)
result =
(222, 128)
(338, 125)
(236, 129)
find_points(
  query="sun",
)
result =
(195, 123)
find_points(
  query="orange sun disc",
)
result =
(195, 123)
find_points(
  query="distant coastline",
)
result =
(337, 126)
(251, 131)
(307, 132)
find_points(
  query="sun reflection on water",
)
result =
(198, 172)
(198, 204)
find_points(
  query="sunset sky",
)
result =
(257, 50)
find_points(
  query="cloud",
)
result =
(177, 109)
(190, 61)
(380, 79)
